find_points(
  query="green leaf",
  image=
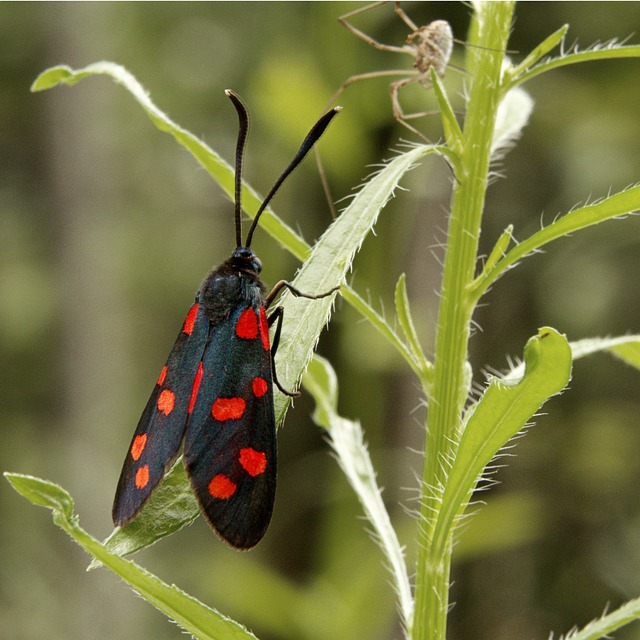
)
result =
(57, 75)
(550, 42)
(607, 624)
(192, 615)
(511, 118)
(499, 249)
(504, 409)
(608, 51)
(403, 311)
(627, 348)
(327, 267)
(42, 492)
(629, 352)
(217, 168)
(322, 383)
(347, 439)
(452, 132)
(171, 507)
(615, 206)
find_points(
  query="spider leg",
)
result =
(404, 17)
(398, 112)
(366, 76)
(362, 35)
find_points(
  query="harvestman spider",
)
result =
(430, 47)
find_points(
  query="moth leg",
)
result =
(277, 315)
(296, 292)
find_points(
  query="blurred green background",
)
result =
(107, 228)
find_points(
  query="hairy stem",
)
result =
(490, 33)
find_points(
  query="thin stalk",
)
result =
(490, 33)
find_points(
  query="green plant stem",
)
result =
(454, 316)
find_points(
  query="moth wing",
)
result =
(161, 427)
(230, 442)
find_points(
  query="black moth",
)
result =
(216, 390)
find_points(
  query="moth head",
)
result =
(244, 259)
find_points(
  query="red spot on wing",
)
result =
(228, 409)
(252, 461)
(221, 487)
(163, 375)
(166, 401)
(139, 443)
(190, 320)
(247, 325)
(264, 329)
(196, 386)
(142, 476)
(259, 386)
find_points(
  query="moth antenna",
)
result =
(312, 137)
(243, 129)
